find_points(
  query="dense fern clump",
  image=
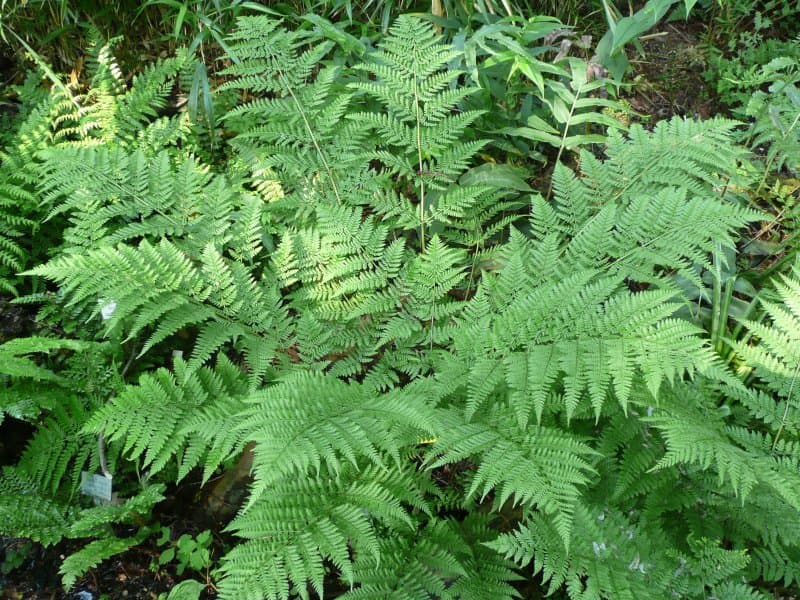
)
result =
(57, 384)
(443, 386)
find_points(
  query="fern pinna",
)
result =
(443, 387)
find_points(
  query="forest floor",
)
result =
(668, 79)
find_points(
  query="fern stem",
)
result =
(786, 410)
(564, 135)
(313, 139)
(40, 62)
(101, 439)
(101, 455)
(472, 268)
(720, 303)
(419, 159)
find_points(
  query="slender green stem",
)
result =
(43, 66)
(564, 135)
(786, 410)
(313, 139)
(716, 300)
(418, 117)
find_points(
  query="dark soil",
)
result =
(132, 574)
(125, 576)
(668, 79)
(16, 320)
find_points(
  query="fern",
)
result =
(14, 361)
(96, 522)
(440, 392)
(511, 463)
(166, 417)
(299, 524)
(91, 555)
(421, 566)
(298, 135)
(238, 306)
(293, 434)
(423, 138)
(106, 112)
(12, 227)
(44, 519)
(761, 84)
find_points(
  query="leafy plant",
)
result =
(195, 23)
(187, 551)
(746, 23)
(530, 101)
(761, 85)
(14, 555)
(623, 30)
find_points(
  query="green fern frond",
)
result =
(486, 573)
(536, 541)
(417, 565)
(41, 518)
(638, 208)
(738, 591)
(696, 437)
(14, 359)
(547, 335)
(57, 451)
(91, 555)
(303, 521)
(534, 466)
(776, 357)
(314, 423)
(170, 416)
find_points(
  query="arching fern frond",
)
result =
(170, 416)
(306, 520)
(315, 423)
(534, 466)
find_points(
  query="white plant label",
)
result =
(96, 486)
(107, 309)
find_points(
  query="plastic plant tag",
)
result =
(96, 486)
(107, 309)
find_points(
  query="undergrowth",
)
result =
(439, 380)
